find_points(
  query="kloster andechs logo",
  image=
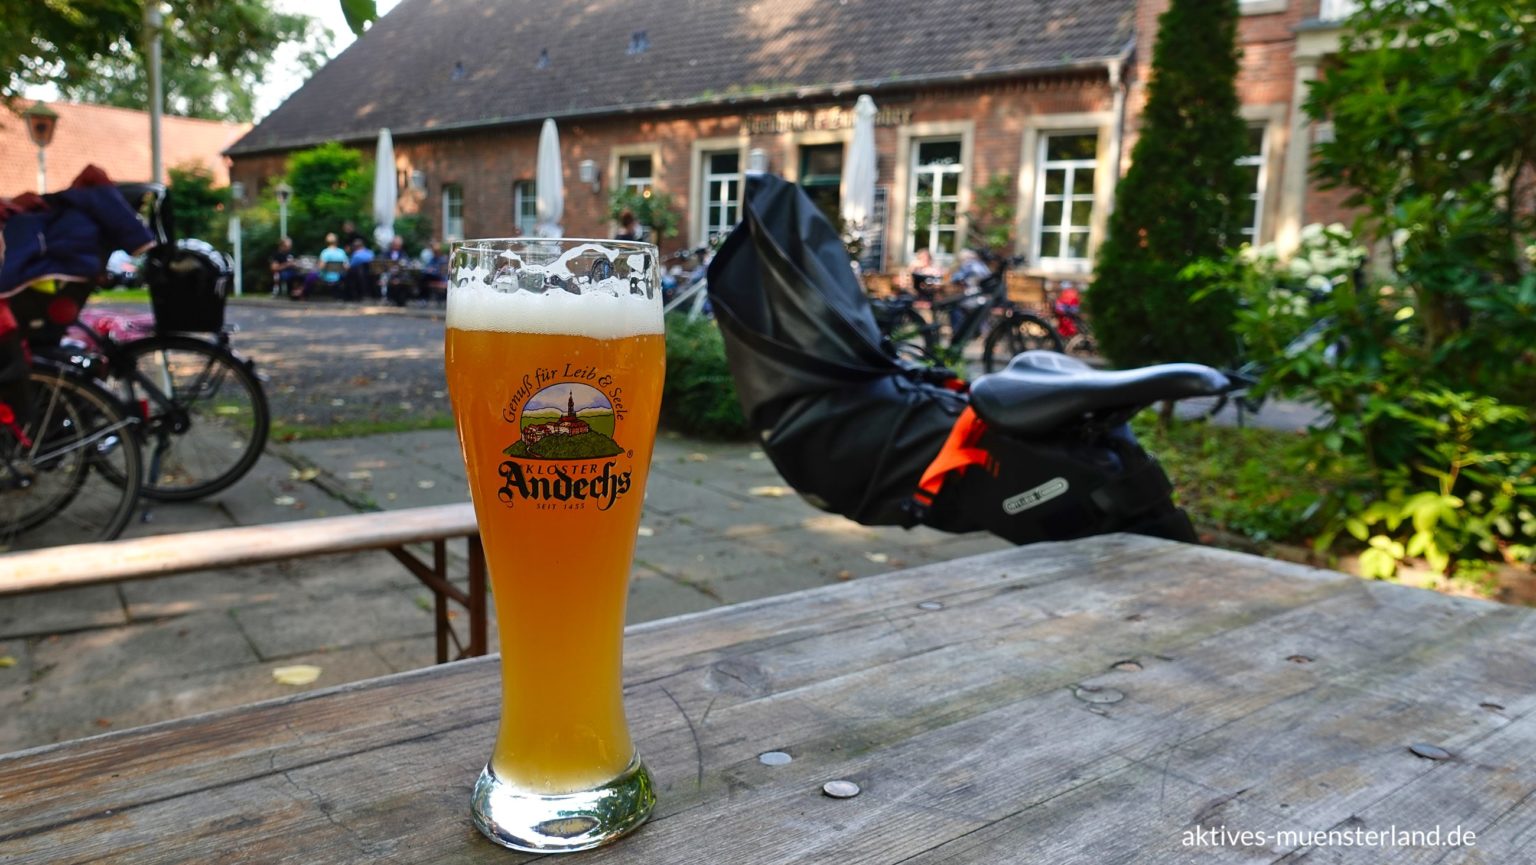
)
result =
(565, 449)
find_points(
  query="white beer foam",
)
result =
(597, 314)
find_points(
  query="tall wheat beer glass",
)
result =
(555, 364)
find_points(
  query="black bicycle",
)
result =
(202, 411)
(955, 322)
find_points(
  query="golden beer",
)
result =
(556, 397)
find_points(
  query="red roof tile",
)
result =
(117, 139)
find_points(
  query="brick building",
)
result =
(684, 95)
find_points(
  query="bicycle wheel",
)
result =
(206, 414)
(1083, 345)
(1015, 334)
(75, 472)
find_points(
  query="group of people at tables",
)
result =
(346, 269)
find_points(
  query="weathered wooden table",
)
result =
(1114, 700)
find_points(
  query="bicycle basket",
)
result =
(187, 292)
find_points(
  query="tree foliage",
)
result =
(215, 52)
(655, 210)
(1425, 364)
(1433, 108)
(202, 209)
(1181, 200)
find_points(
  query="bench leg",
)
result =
(435, 577)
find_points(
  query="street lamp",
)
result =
(284, 192)
(42, 121)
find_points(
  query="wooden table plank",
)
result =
(963, 724)
(163, 555)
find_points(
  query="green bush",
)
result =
(653, 209)
(1181, 200)
(700, 396)
(202, 210)
(1431, 450)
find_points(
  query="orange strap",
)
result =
(959, 452)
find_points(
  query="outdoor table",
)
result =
(1111, 700)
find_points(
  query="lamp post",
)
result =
(154, 23)
(284, 192)
(42, 121)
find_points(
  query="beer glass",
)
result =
(555, 363)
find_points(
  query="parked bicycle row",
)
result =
(941, 318)
(98, 410)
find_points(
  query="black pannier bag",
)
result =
(188, 287)
(853, 430)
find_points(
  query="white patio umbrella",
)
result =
(384, 192)
(859, 171)
(549, 181)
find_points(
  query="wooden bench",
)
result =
(142, 558)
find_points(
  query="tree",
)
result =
(201, 208)
(1181, 200)
(331, 184)
(215, 51)
(1434, 114)
(654, 210)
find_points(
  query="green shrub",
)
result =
(700, 396)
(653, 209)
(1430, 447)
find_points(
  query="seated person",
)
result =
(358, 271)
(926, 277)
(333, 264)
(629, 227)
(285, 270)
(434, 272)
(967, 276)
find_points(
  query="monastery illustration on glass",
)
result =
(566, 421)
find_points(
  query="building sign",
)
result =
(834, 117)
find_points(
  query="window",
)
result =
(453, 212)
(1252, 167)
(821, 176)
(722, 193)
(935, 197)
(637, 173)
(525, 206)
(1064, 198)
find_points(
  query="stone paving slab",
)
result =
(299, 626)
(55, 612)
(142, 651)
(55, 715)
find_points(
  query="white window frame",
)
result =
(1029, 177)
(1071, 194)
(1257, 196)
(732, 182)
(628, 182)
(937, 172)
(525, 192)
(900, 214)
(453, 223)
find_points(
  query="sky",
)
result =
(286, 74)
(555, 396)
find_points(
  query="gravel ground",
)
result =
(346, 369)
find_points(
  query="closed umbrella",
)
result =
(384, 192)
(859, 175)
(550, 182)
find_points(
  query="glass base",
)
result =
(537, 823)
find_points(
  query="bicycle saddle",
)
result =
(1041, 391)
